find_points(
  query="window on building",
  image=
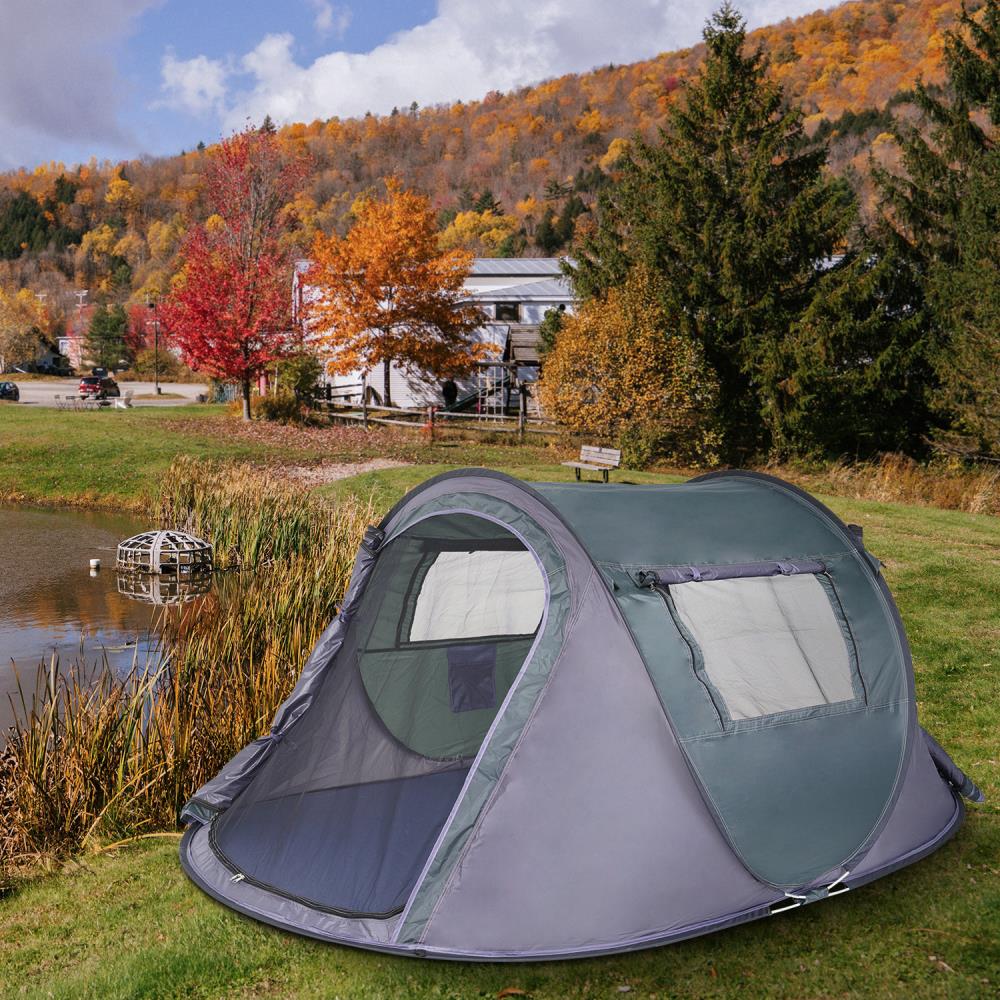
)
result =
(509, 312)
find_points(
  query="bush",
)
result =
(146, 364)
(618, 372)
(282, 406)
(300, 374)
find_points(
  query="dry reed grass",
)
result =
(950, 484)
(105, 757)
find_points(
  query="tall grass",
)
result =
(96, 758)
(946, 483)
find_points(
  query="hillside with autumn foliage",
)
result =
(512, 173)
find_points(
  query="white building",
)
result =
(514, 294)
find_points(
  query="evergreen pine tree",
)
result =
(939, 220)
(105, 344)
(487, 202)
(571, 211)
(731, 209)
(547, 239)
(966, 295)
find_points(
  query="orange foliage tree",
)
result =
(386, 294)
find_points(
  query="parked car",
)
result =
(99, 388)
(9, 391)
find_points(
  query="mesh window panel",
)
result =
(768, 644)
(344, 813)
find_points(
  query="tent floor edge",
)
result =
(655, 940)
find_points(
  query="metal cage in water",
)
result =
(165, 553)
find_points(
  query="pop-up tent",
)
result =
(566, 719)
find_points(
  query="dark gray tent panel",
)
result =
(561, 719)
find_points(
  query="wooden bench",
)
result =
(595, 459)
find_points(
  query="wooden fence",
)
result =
(431, 418)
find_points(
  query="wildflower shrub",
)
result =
(619, 373)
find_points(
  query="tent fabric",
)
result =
(560, 720)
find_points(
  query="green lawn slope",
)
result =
(127, 923)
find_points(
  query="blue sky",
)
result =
(223, 30)
(121, 78)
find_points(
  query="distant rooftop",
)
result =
(498, 267)
(549, 289)
(517, 267)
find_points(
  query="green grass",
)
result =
(106, 458)
(118, 458)
(386, 486)
(129, 924)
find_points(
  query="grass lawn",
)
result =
(115, 458)
(129, 924)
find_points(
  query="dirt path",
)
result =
(317, 475)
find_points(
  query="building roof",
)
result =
(552, 290)
(516, 267)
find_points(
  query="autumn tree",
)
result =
(621, 370)
(387, 294)
(730, 208)
(21, 320)
(230, 314)
(484, 233)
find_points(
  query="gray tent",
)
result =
(565, 719)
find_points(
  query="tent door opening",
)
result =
(344, 814)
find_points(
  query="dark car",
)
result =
(99, 388)
(9, 391)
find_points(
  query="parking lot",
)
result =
(39, 393)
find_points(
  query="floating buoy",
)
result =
(95, 563)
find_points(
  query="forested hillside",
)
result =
(511, 173)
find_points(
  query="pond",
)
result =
(51, 603)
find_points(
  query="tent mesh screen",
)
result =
(345, 811)
(768, 644)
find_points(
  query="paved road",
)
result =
(43, 393)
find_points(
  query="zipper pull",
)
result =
(238, 877)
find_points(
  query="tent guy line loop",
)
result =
(835, 888)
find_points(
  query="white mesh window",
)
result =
(769, 644)
(486, 592)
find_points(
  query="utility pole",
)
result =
(155, 324)
(81, 294)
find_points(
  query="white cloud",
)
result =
(467, 49)
(331, 19)
(195, 85)
(58, 84)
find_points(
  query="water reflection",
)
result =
(50, 604)
(163, 590)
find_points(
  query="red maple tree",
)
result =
(231, 313)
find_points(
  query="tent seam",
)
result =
(791, 722)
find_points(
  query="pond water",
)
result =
(50, 602)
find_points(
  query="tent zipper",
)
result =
(664, 595)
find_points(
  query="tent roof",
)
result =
(730, 518)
